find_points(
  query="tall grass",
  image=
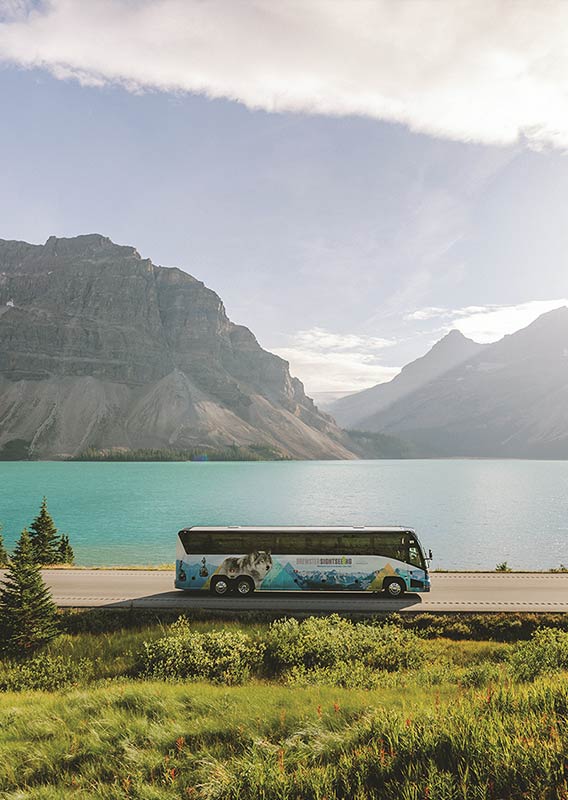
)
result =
(335, 710)
(156, 740)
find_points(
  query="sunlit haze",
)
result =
(353, 179)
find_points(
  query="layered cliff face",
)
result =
(99, 347)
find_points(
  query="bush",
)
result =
(497, 627)
(219, 656)
(479, 675)
(315, 643)
(346, 674)
(44, 672)
(545, 652)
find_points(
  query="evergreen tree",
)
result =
(44, 539)
(3, 552)
(27, 613)
(66, 554)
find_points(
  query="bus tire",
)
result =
(244, 586)
(394, 588)
(220, 585)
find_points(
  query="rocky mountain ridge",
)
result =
(510, 399)
(101, 348)
(359, 410)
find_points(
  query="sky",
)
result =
(354, 179)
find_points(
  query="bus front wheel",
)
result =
(393, 588)
(244, 586)
(219, 585)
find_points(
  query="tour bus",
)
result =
(244, 559)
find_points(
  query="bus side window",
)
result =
(198, 543)
(290, 544)
(357, 544)
(390, 545)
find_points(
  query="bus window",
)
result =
(390, 545)
(414, 556)
(309, 543)
(356, 544)
(289, 543)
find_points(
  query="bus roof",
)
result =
(298, 529)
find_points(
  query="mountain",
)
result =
(358, 410)
(101, 348)
(508, 400)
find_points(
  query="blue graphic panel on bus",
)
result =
(348, 573)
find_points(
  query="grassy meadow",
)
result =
(322, 708)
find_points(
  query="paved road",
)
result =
(450, 592)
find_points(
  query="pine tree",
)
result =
(3, 552)
(66, 554)
(44, 539)
(27, 613)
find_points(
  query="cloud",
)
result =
(492, 72)
(488, 323)
(430, 312)
(332, 362)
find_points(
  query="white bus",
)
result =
(244, 559)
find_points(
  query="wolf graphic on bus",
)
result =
(256, 565)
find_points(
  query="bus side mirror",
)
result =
(429, 555)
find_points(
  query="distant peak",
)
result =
(454, 338)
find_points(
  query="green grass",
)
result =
(455, 725)
(156, 740)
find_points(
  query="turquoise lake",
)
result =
(472, 513)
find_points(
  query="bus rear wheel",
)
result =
(244, 586)
(220, 585)
(393, 588)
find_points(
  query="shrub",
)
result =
(479, 675)
(45, 673)
(219, 656)
(545, 652)
(346, 674)
(318, 643)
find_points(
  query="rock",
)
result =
(101, 348)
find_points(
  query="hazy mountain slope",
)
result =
(358, 410)
(509, 400)
(99, 347)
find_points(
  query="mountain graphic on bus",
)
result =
(282, 577)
